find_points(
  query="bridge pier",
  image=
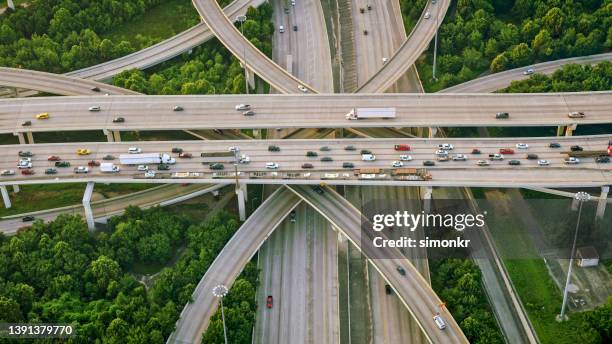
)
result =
(87, 206)
(432, 132)
(569, 130)
(5, 196)
(241, 193)
(109, 135)
(11, 5)
(426, 192)
(257, 133)
(117, 135)
(602, 202)
(30, 137)
(560, 130)
(21, 138)
(15, 188)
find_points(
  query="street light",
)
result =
(219, 291)
(242, 19)
(581, 197)
(435, 49)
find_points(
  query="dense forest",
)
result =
(61, 273)
(494, 35)
(210, 69)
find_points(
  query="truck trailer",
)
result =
(374, 113)
(146, 158)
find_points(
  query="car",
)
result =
(443, 158)
(529, 71)
(401, 270)
(81, 169)
(177, 108)
(244, 159)
(365, 32)
(506, 151)
(26, 123)
(248, 113)
(325, 149)
(571, 160)
(273, 148)
(522, 146)
(43, 115)
(164, 167)
(62, 164)
(281, 29)
(350, 148)
(24, 164)
(149, 174)
(27, 218)
(602, 159)
(25, 154)
(405, 157)
(441, 152)
(295, 28)
(554, 145)
(83, 151)
(327, 159)
(496, 157)
(385, 60)
(482, 163)
(27, 172)
(439, 322)
(95, 89)
(7, 173)
(292, 216)
(271, 165)
(459, 157)
(369, 7)
(269, 301)
(368, 157)
(93, 163)
(576, 148)
(429, 163)
(388, 289)
(177, 150)
(94, 108)
(216, 166)
(302, 88)
(311, 154)
(532, 156)
(446, 146)
(108, 157)
(134, 150)
(476, 151)
(233, 149)
(53, 158)
(543, 162)
(307, 165)
(427, 15)
(348, 165)
(365, 151)
(402, 147)
(242, 107)
(142, 168)
(502, 115)
(361, 10)
(51, 170)
(575, 114)
(397, 164)
(185, 155)
(514, 162)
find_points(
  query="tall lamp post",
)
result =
(435, 49)
(242, 19)
(219, 291)
(581, 197)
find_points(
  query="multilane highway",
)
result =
(310, 111)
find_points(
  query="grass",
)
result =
(163, 21)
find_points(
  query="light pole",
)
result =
(242, 19)
(581, 197)
(435, 49)
(219, 291)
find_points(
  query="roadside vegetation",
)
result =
(61, 273)
(484, 36)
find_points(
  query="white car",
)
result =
(24, 164)
(575, 114)
(572, 160)
(7, 173)
(143, 168)
(543, 162)
(459, 157)
(496, 156)
(385, 60)
(302, 88)
(482, 163)
(397, 164)
(272, 165)
(441, 152)
(149, 174)
(446, 146)
(522, 146)
(439, 322)
(243, 107)
(94, 108)
(405, 157)
(368, 157)
(134, 150)
(529, 71)
(81, 169)
(427, 15)
(244, 159)
(233, 149)
(281, 29)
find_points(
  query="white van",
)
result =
(439, 322)
(281, 29)
(368, 157)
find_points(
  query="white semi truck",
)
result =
(146, 158)
(366, 113)
(109, 167)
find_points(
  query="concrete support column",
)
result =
(432, 132)
(5, 196)
(560, 130)
(117, 135)
(426, 192)
(15, 188)
(569, 130)
(257, 133)
(601, 204)
(109, 135)
(30, 137)
(11, 5)
(575, 203)
(250, 76)
(21, 138)
(87, 206)
(241, 194)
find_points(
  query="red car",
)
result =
(54, 158)
(506, 151)
(93, 163)
(476, 151)
(27, 172)
(269, 301)
(185, 155)
(402, 147)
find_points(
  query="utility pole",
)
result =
(242, 19)
(581, 197)
(219, 291)
(435, 48)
